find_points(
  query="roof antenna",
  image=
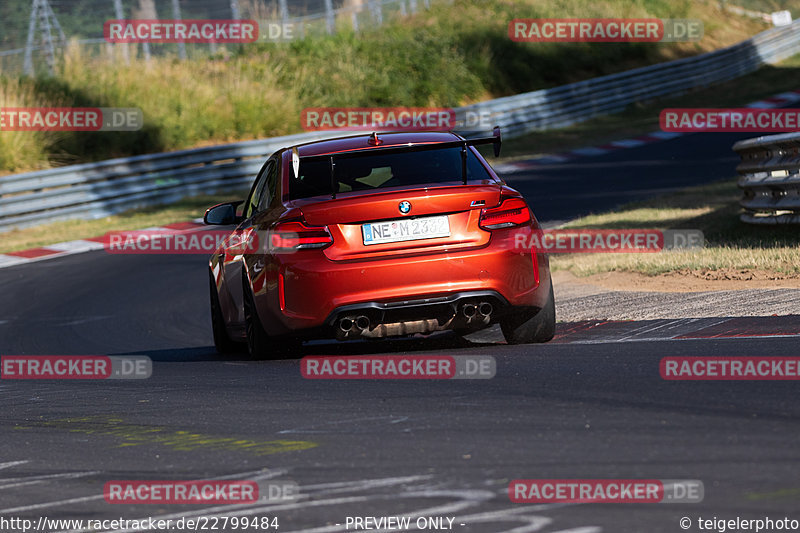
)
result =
(373, 139)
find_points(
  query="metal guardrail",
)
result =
(95, 190)
(576, 102)
(770, 178)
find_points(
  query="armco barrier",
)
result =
(770, 178)
(95, 190)
(98, 189)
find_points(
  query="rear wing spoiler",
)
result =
(495, 139)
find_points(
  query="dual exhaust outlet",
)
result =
(359, 323)
(482, 310)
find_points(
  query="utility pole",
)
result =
(42, 16)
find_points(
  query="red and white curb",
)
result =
(779, 100)
(62, 249)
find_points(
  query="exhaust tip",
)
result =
(362, 322)
(345, 324)
(485, 308)
(468, 310)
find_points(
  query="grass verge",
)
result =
(733, 250)
(186, 209)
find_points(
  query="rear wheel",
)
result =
(259, 344)
(222, 340)
(527, 327)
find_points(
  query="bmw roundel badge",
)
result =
(404, 207)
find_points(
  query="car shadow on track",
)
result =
(438, 341)
(435, 342)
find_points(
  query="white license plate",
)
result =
(406, 229)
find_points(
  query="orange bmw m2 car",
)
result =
(374, 236)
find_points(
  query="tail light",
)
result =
(298, 236)
(512, 212)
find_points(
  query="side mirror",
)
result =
(222, 214)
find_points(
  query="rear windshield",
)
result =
(367, 172)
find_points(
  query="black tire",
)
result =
(527, 328)
(259, 344)
(222, 340)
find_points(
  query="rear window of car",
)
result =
(368, 172)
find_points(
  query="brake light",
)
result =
(298, 236)
(512, 212)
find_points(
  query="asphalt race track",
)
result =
(588, 405)
(594, 184)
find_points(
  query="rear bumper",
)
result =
(316, 291)
(470, 310)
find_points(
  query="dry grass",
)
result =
(730, 244)
(23, 150)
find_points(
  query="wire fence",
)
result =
(34, 33)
